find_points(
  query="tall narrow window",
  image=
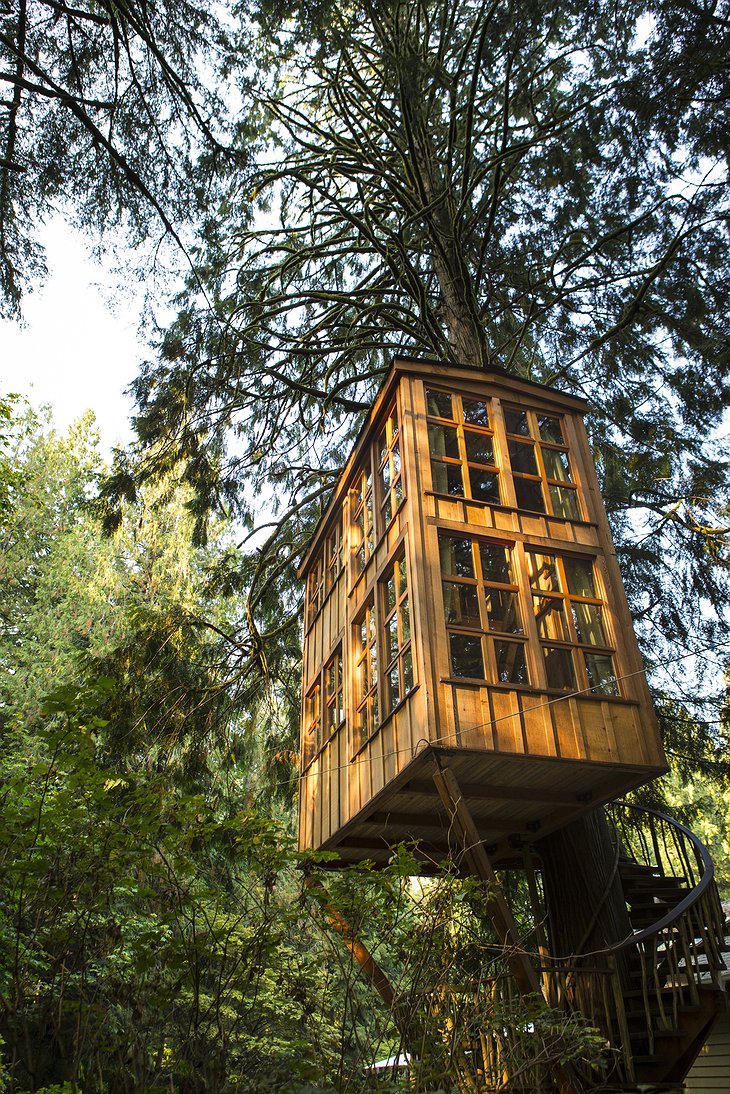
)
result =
(461, 444)
(569, 615)
(334, 709)
(389, 470)
(364, 518)
(333, 555)
(398, 656)
(540, 462)
(312, 735)
(483, 620)
(315, 589)
(366, 671)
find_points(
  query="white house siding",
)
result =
(710, 1072)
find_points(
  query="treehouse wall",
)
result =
(463, 592)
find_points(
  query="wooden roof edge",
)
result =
(403, 364)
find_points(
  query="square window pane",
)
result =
(551, 621)
(600, 674)
(529, 495)
(543, 572)
(579, 575)
(511, 663)
(479, 448)
(557, 464)
(559, 668)
(495, 559)
(456, 556)
(522, 457)
(564, 502)
(516, 422)
(439, 404)
(461, 604)
(447, 478)
(466, 656)
(475, 412)
(484, 485)
(503, 611)
(588, 625)
(550, 429)
(443, 440)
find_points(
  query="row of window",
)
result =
(486, 631)
(464, 464)
(463, 461)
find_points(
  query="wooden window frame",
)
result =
(539, 445)
(464, 429)
(579, 650)
(492, 639)
(389, 453)
(379, 482)
(318, 729)
(312, 724)
(366, 664)
(400, 662)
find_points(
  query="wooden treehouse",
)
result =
(472, 684)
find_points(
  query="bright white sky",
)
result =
(79, 346)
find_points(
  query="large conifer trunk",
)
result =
(583, 892)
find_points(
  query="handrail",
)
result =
(687, 902)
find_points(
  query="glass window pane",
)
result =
(398, 491)
(390, 594)
(484, 485)
(543, 572)
(382, 446)
(550, 429)
(564, 502)
(600, 674)
(385, 476)
(551, 621)
(407, 671)
(522, 457)
(443, 441)
(405, 620)
(516, 422)
(529, 495)
(588, 625)
(396, 458)
(439, 404)
(479, 447)
(456, 556)
(402, 575)
(393, 687)
(559, 668)
(557, 464)
(387, 512)
(466, 656)
(495, 561)
(391, 638)
(447, 478)
(511, 664)
(461, 604)
(503, 611)
(579, 575)
(475, 412)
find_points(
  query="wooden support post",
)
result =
(358, 949)
(518, 962)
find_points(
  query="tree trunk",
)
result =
(586, 909)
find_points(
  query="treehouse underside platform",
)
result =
(512, 799)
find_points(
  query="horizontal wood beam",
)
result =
(487, 791)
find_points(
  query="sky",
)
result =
(79, 346)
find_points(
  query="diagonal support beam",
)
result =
(497, 908)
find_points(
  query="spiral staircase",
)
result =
(656, 1013)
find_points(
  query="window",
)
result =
(540, 464)
(569, 616)
(333, 555)
(461, 443)
(483, 621)
(312, 735)
(377, 490)
(390, 475)
(315, 589)
(322, 722)
(364, 518)
(366, 674)
(397, 656)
